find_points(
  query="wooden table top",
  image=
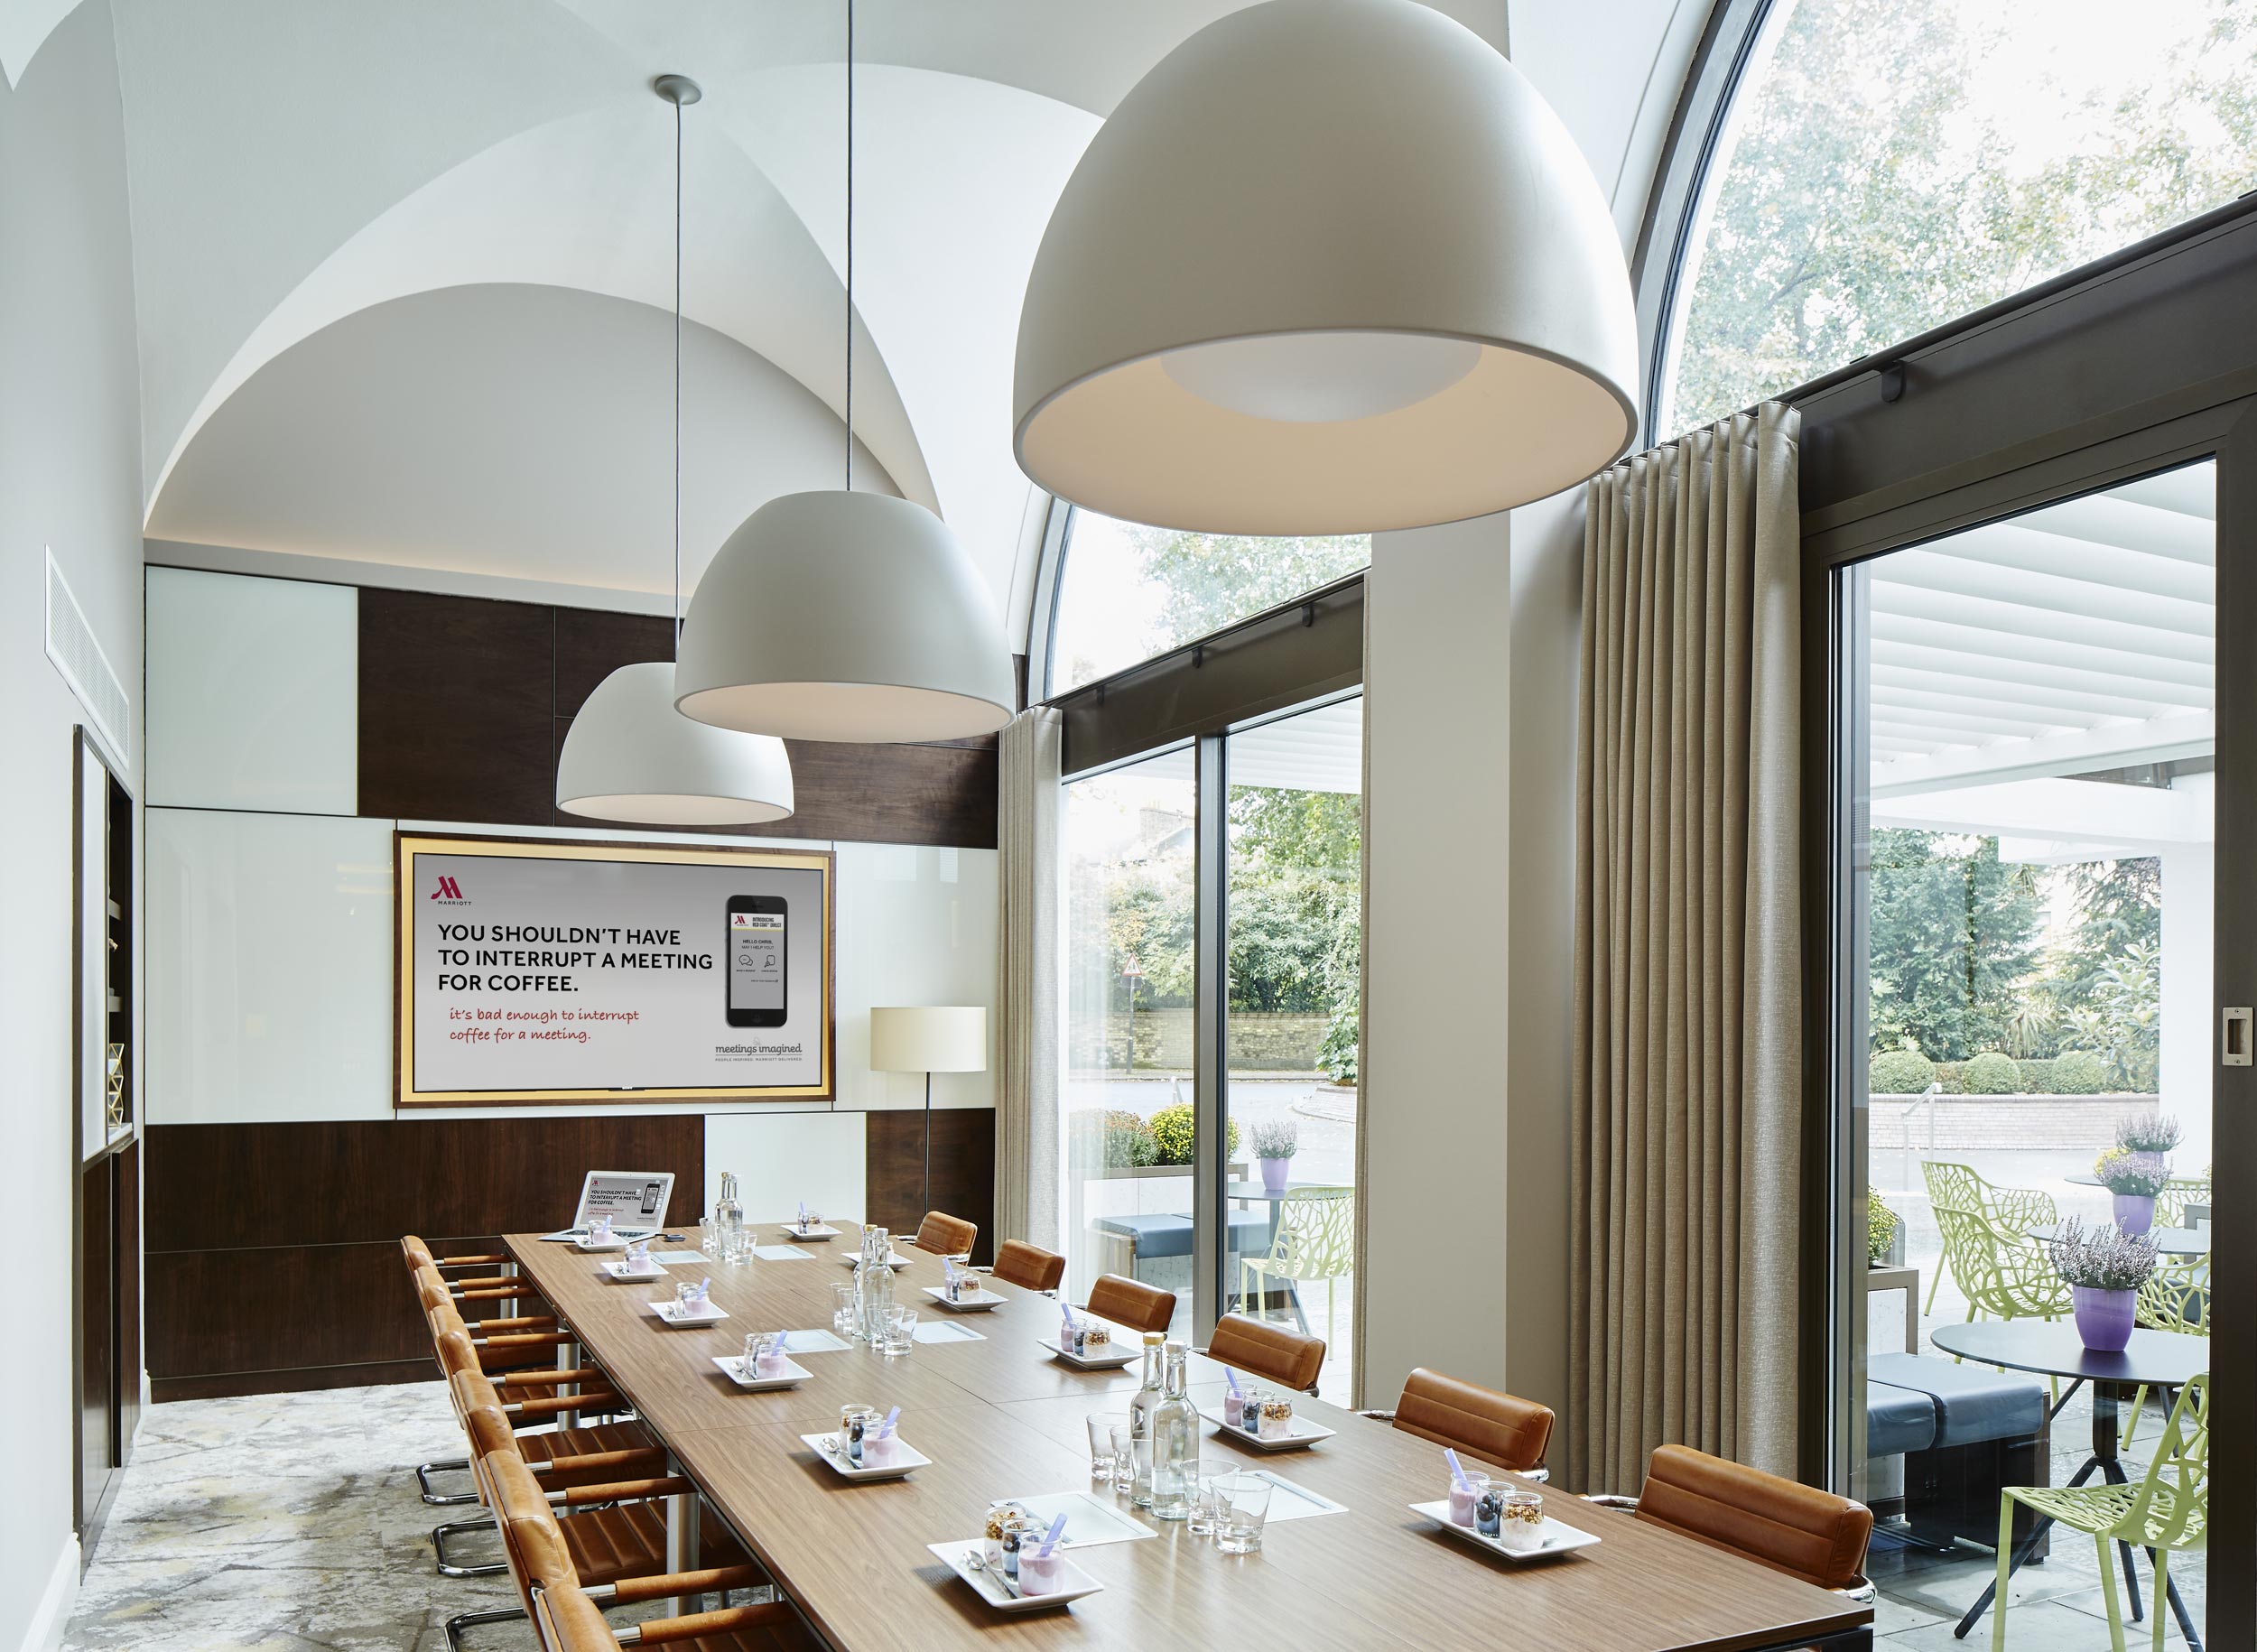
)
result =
(1001, 1419)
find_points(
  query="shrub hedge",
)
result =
(1905, 1072)
(1993, 1073)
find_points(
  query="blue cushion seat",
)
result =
(1973, 1403)
(1897, 1420)
(1170, 1236)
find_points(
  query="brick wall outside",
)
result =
(2027, 1123)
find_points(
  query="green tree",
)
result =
(1952, 941)
(2119, 909)
(1868, 200)
(1211, 579)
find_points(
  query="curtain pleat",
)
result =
(1028, 995)
(1687, 1017)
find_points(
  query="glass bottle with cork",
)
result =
(1175, 1441)
(1141, 1412)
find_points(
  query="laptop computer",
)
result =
(635, 1199)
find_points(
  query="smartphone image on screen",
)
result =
(759, 932)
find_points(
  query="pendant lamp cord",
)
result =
(677, 382)
(850, 246)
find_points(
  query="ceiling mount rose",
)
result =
(629, 755)
(1331, 266)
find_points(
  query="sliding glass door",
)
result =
(2027, 747)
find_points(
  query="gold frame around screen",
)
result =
(406, 846)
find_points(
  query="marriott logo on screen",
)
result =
(450, 892)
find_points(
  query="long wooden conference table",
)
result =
(1001, 1419)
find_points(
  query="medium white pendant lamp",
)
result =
(845, 616)
(629, 755)
(1331, 266)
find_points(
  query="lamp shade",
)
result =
(1331, 266)
(844, 617)
(929, 1040)
(629, 755)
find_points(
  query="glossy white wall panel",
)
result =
(780, 1159)
(253, 693)
(915, 925)
(269, 942)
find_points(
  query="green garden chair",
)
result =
(2178, 1193)
(1315, 1239)
(2004, 1274)
(2165, 1509)
(2176, 1297)
(2014, 1210)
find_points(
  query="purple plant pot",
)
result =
(2103, 1318)
(1273, 1174)
(2135, 1213)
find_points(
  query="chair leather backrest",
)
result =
(531, 1537)
(1132, 1302)
(417, 1253)
(1497, 1428)
(946, 1235)
(571, 1622)
(1267, 1350)
(1029, 1266)
(432, 1290)
(488, 1429)
(457, 1352)
(1789, 1527)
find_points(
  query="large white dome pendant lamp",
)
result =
(1331, 266)
(629, 755)
(845, 616)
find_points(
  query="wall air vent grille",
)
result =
(79, 658)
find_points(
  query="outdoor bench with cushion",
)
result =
(1965, 1431)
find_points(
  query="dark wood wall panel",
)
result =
(239, 1186)
(457, 700)
(963, 1169)
(274, 1249)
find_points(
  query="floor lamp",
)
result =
(929, 1040)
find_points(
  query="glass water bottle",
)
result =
(1174, 1442)
(728, 1220)
(874, 1284)
(1142, 1411)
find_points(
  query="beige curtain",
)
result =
(1028, 996)
(1687, 1021)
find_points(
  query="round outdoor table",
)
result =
(2084, 1178)
(2171, 1241)
(2153, 1359)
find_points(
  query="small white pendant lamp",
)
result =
(845, 616)
(629, 755)
(1331, 266)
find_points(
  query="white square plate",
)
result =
(1111, 1361)
(621, 1271)
(986, 1301)
(853, 1259)
(733, 1368)
(614, 1243)
(1075, 1581)
(1305, 1434)
(812, 1236)
(671, 1314)
(1559, 1536)
(827, 1447)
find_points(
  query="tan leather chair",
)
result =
(1500, 1429)
(1029, 1266)
(419, 1257)
(945, 1235)
(1132, 1302)
(1268, 1351)
(435, 1292)
(1789, 1527)
(569, 1621)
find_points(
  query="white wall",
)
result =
(70, 478)
(1470, 663)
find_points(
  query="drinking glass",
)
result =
(1240, 1515)
(1124, 1456)
(1207, 1475)
(763, 1354)
(689, 1294)
(842, 1309)
(1101, 1425)
(599, 1229)
(901, 1331)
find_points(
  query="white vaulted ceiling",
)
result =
(345, 214)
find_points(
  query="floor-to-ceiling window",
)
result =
(1294, 885)
(1124, 1194)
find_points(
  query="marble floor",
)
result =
(284, 1522)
